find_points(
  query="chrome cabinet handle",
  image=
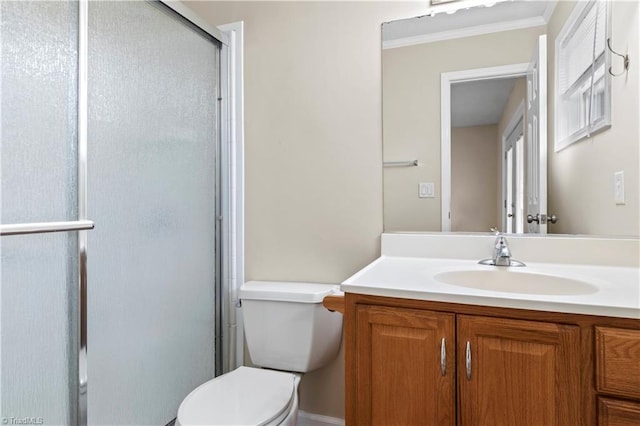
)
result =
(468, 360)
(443, 357)
(553, 218)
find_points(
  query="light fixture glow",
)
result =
(452, 6)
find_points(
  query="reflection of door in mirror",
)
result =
(487, 126)
(484, 112)
(537, 137)
(476, 104)
(513, 179)
(479, 110)
(480, 129)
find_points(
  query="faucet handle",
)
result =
(495, 230)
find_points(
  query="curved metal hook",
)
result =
(625, 58)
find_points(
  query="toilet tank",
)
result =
(287, 328)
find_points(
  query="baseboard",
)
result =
(310, 419)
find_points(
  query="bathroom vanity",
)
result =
(425, 348)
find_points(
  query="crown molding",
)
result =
(468, 32)
(548, 12)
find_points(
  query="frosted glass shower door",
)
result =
(38, 176)
(153, 89)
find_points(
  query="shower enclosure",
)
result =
(110, 117)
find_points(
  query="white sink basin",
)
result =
(512, 281)
(549, 287)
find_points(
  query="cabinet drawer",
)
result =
(612, 412)
(618, 361)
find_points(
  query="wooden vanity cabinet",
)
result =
(412, 362)
(514, 372)
(405, 366)
(618, 376)
(616, 412)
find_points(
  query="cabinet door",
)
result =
(517, 372)
(613, 412)
(618, 362)
(405, 367)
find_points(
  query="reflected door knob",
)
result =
(542, 218)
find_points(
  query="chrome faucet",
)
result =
(501, 253)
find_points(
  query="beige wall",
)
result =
(475, 153)
(580, 189)
(313, 146)
(517, 95)
(411, 111)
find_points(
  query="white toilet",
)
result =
(288, 332)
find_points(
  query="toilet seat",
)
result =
(245, 396)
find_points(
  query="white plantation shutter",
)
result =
(582, 83)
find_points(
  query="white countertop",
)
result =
(617, 293)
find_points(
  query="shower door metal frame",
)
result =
(83, 69)
(83, 224)
(225, 231)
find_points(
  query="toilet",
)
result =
(288, 332)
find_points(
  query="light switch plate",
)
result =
(426, 190)
(618, 187)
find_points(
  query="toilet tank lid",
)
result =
(287, 291)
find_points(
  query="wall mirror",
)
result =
(468, 124)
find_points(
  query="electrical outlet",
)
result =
(426, 190)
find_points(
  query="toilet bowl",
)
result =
(245, 396)
(288, 332)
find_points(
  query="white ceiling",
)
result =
(480, 103)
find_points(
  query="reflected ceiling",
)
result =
(512, 12)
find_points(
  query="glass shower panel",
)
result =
(38, 180)
(39, 327)
(39, 111)
(153, 85)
